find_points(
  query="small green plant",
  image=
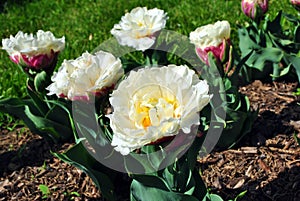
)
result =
(8, 122)
(45, 191)
(43, 167)
(297, 92)
(71, 195)
(242, 194)
(32, 177)
(297, 138)
(214, 197)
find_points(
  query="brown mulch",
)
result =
(26, 163)
(266, 162)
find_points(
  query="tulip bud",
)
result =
(215, 39)
(296, 4)
(254, 9)
(46, 62)
(220, 52)
(34, 52)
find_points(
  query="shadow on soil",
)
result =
(33, 153)
(268, 124)
(285, 187)
(286, 184)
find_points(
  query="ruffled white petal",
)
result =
(138, 28)
(153, 103)
(31, 45)
(76, 79)
(211, 34)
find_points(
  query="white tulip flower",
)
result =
(77, 79)
(153, 103)
(139, 28)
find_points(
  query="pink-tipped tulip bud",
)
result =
(255, 9)
(37, 62)
(35, 52)
(214, 38)
(220, 52)
(296, 4)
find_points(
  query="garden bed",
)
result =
(266, 162)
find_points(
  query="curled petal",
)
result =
(38, 51)
(87, 75)
(139, 28)
(154, 103)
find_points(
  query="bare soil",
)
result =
(266, 162)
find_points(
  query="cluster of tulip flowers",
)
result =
(138, 110)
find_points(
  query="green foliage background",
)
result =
(86, 24)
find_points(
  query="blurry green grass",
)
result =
(86, 24)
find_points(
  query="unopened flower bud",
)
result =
(296, 4)
(254, 9)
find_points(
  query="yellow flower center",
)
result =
(151, 105)
(140, 24)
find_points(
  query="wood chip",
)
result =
(248, 171)
(217, 183)
(295, 124)
(239, 184)
(249, 150)
(293, 152)
(264, 166)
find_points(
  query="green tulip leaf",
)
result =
(139, 192)
(295, 61)
(41, 81)
(212, 197)
(152, 181)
